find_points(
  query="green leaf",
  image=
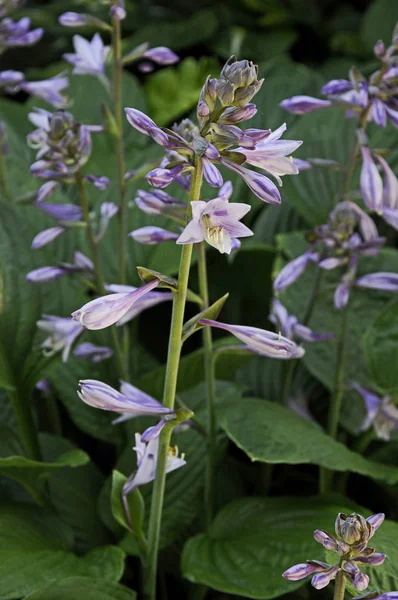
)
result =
(378, 22)
(31, 473)
(135, 504)
(34, 552)
(82, 587)
(270, 433)
(381, 348)
(253, 541)
(209, 313)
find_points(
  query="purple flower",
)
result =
(108, 210)
(107, 310)
(46, 237)
(158, 202)
(322, 579)
(61, 212)
(16, 33)
(151, 236)
(95, 353)
(217, 222)
(89, 57)
(302, 570)
(161, 178)
(300, 105)
(234, 115)
(379, 281)
(371, 182)
(101, 183)
(46, 191)
(63, 333)
(145, 125)
(381, 413)
(148, 301)
(11, 79)
(161, 55)
(293, 270)
(73, 19)
(376, 596)
(336, 86)
(45, 274)
(147, 456)
(291, 328)
(48, 90)
(117, 10)
(261, 341)
(260, 185)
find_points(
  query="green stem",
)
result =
(97, 267)
(209, 364)
(3, 178)
(338, 392)
(170, 386)
(26, 426)
(339, 588)
(119, 147)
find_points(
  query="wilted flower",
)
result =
(290, 327)
(381, 413)
(261, 341)
(63, 333)
(351, 544)
(89, 57)
(130, 402)
(107, 310)
(95, 353)
(217, 222)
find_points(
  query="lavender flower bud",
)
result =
(352, 528)
(361, 581)
(374, 559)
(371, 182)
(46, 190)
(321, 580)
(341, 295)
(95, 353)
(293, 270)
(118, 11)
(375, 521)
(300, 571)
(238, 82)
(46, 237)
(379, 49)
(151, 236)
(73, 19)
(301, 105)
(336, 86)
(45, 274)
(379, 281)
(231, 116)
(161, 55)
(161, 178)
(327, 540)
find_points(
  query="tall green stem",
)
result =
(3, 177)
(26, 426)
(339, 588)
(338, 392)
(170, 386)
(119, 147)
(97, 266)
(210, 388)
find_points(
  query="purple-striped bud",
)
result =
(259, 184)
(46, 190)
(151, 236)
(46, 237)
(371, 182)
(158, 202)
(336, 86)
(379, 113)
(292, 271)
(301, 105)
(301, 571)
(61, 212)
(45, 274)
(73, 19)
(321, 580)
(211, 173)
(145, 125)
(374, 559)
(161, 178)
(231, 116)
(101, 183)
(95, 353)
(384, 281)
(161, 55)
(360, 581)
(341, 295)
(390, 188)
(327, 540)
(375, 521)
(83, 262)
(107, 310)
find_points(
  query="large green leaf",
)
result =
(271, 433)
(253, 540)
(381, 348)
(83, 587)
(31, 473)
(34, 552)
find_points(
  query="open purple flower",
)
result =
(261, 341)
(89, 57)
(48, 90)
(107, 310)
(16, 33)
(381, 413)
(217, 222)
(63, 332)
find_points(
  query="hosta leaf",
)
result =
(381, 348)
(83, 587)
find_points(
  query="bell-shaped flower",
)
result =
(62, 334)
(147, 456)
(217, 222)
(381, 413)
(48, 90)
(89, 57)
(107, 310)
(130, 402)
(266, 343)
(95, 353)
(149, 300)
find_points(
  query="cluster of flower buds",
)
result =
(353, 533)
(381, 413)
(16, 33)
(217, 139)
(375, 97)
(349, 234)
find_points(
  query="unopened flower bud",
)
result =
(238, 82)
(60, 122)
(379, 49)
(352, 528)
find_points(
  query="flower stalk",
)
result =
(339, 589)
(119, 148)
(209, 364)
(173, 360)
